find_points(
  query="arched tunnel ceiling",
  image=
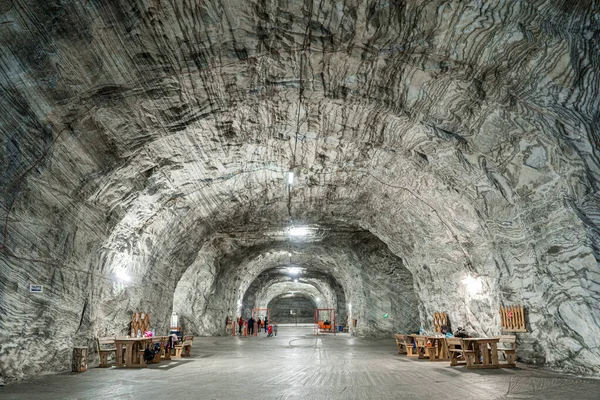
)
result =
(285, 290)
(272, 283)
(345, 266)
(153, 138)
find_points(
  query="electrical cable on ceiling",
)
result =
(305, 45)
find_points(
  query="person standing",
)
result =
(240, 324)
(226, 324)
(258, 324)
(275, 328)
(251, 326)
(266, 324)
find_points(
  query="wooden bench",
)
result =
(183, 349)
(401, 341)
(161, 341)
(106, 347)
(508, 347)
(459, 355)
(166, 349)
(409, 344)
(421, 346)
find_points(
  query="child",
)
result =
(270, 331)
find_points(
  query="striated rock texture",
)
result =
(145, 149)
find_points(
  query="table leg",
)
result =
(129, 354)
(494, 351)
(119, 354)
(444, 351)
(477, 349)
(485, 354)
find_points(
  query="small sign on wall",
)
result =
(36, 288)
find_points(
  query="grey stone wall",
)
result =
(152, 141)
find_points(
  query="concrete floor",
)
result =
(299, 365)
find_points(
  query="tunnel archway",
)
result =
(342, 264)
(293, 308)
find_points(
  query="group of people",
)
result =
(270, 330)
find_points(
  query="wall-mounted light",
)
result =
(350, 306)
(298, 231)
(473, 285)
(296, 280)
(290, 178)
(121, 275)
(318, 299)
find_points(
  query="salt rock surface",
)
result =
(432, 141)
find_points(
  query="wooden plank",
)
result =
(512, 318)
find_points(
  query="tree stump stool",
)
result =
(79, 363)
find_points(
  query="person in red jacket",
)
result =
(241, 324)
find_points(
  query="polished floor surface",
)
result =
(299, 365)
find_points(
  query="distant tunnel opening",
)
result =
(291, 309)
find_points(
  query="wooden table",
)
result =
(486, 352)
(438, 351)
(132, 347)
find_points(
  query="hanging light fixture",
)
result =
(121, 275)
(298, 231)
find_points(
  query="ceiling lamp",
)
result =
(474, 285)
(298, 231)
(290, 178)
(294, 271)
(122, 275)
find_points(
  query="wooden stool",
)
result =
(79, 363)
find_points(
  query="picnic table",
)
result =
(133, 348)
(437, 349)
(485, 350)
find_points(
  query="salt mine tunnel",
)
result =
(380, 162)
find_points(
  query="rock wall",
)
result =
(139, 136)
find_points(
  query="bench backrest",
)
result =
(187, 340)
(159, 339)
(510, 340)
(400, 339)
(104, 342)
(454, 342)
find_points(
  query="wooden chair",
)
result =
(106, 347)
(401, 343)
(183, 349)
(508, 347)
(459, 353)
